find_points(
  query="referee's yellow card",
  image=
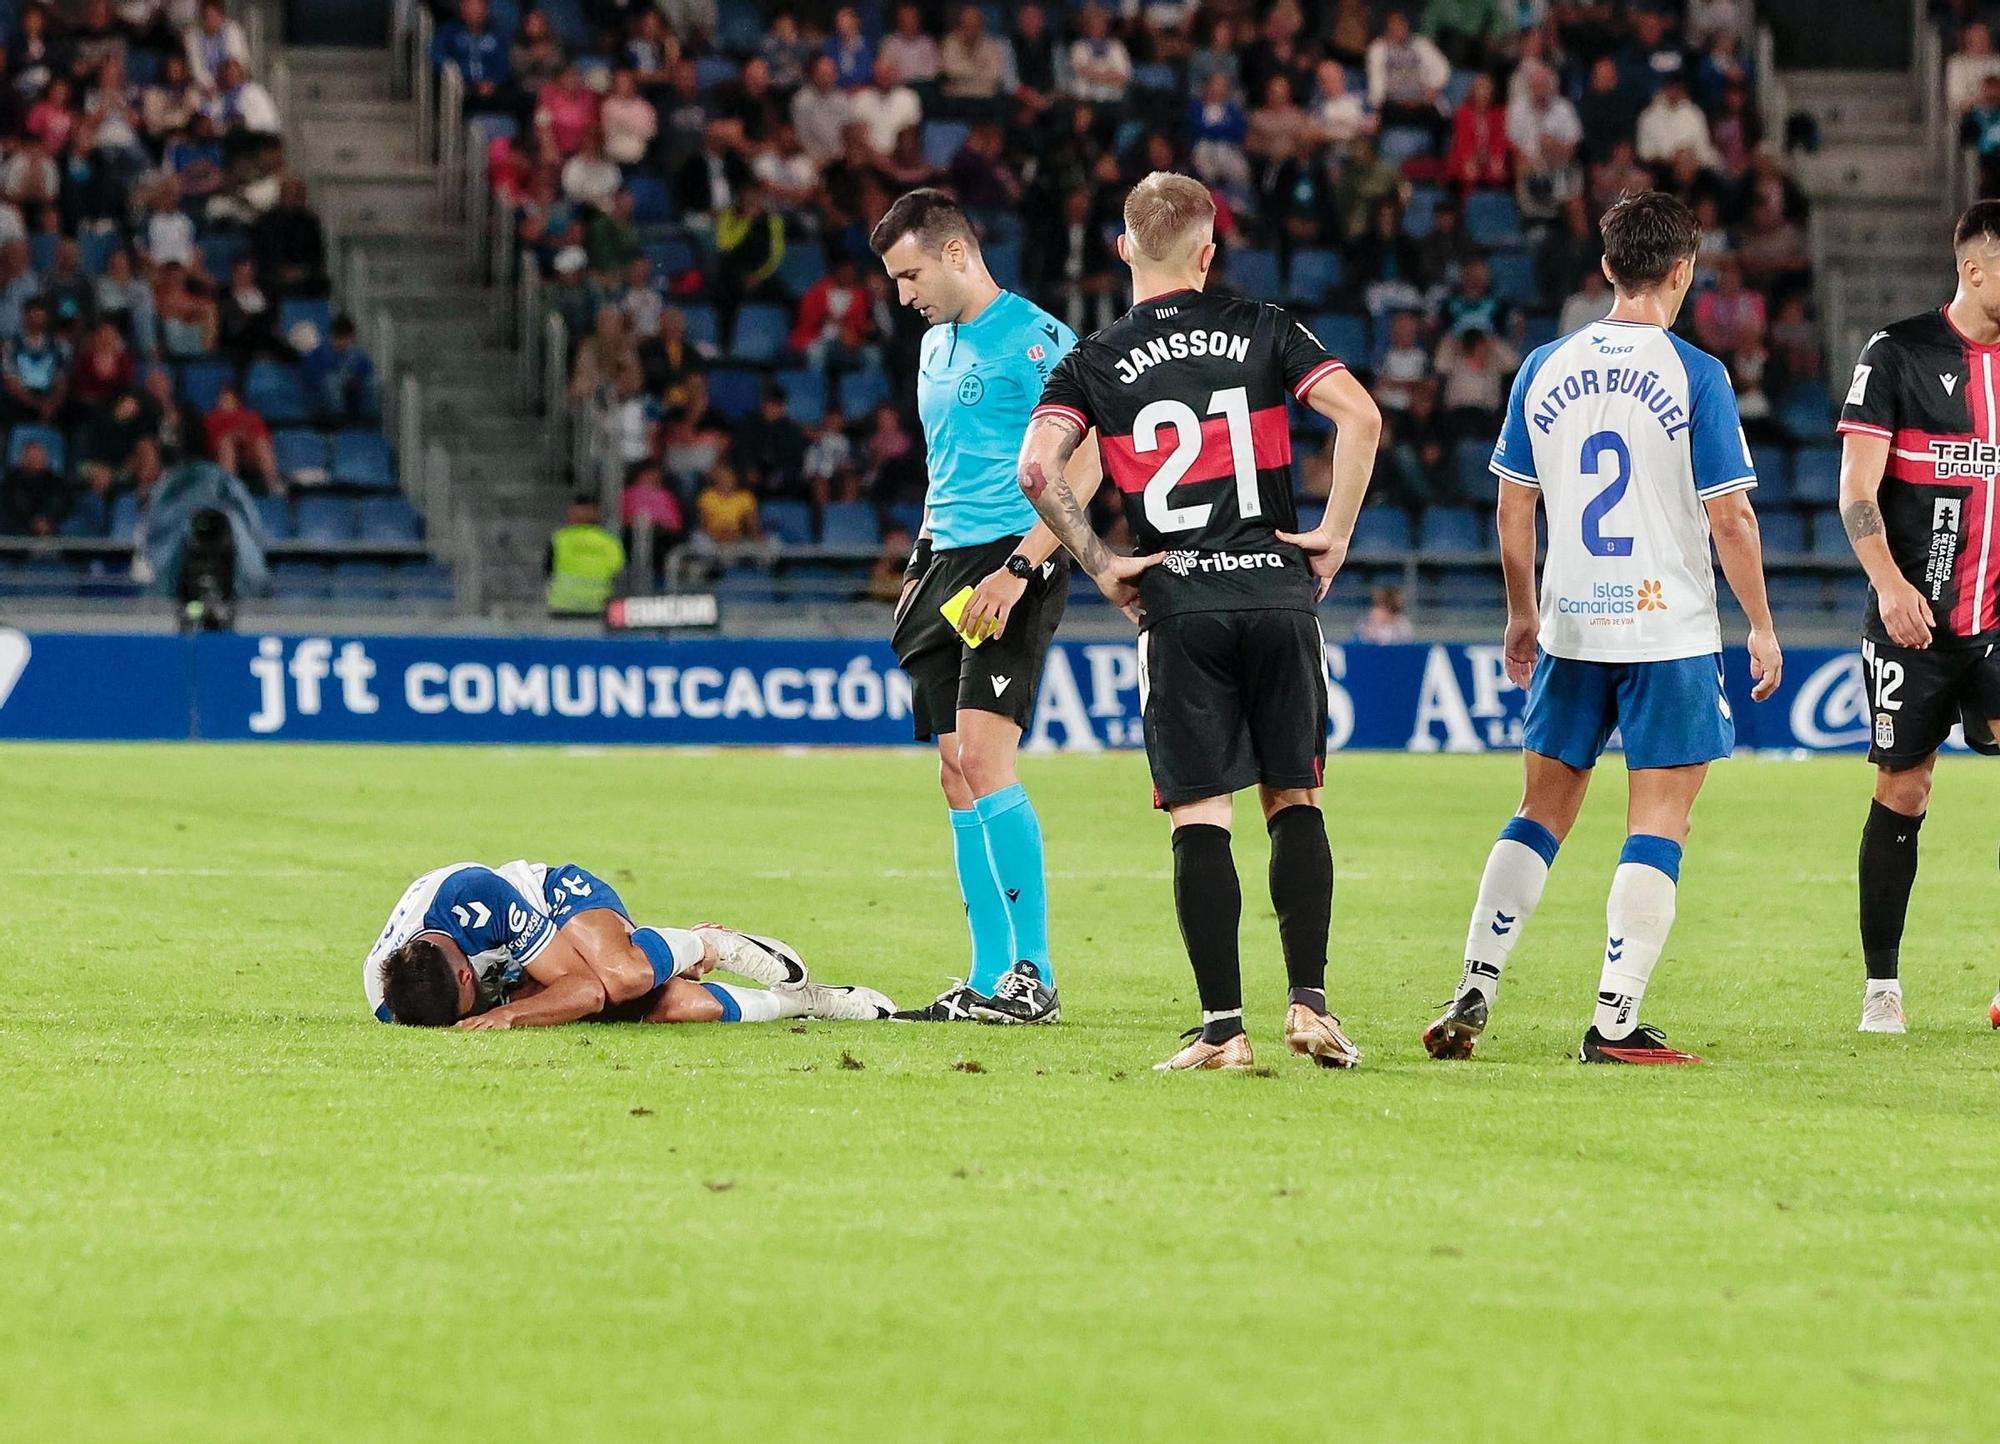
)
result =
(953, 610)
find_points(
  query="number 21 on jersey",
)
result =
(1153, 418)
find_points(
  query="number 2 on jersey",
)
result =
(1594, 448)
(1234, 406)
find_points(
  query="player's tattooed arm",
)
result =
(1862, 518)
(1050, 442)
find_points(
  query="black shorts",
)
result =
(1001, 674)
(1917, 695)
(1232, 699)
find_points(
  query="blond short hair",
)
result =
(1168, 214)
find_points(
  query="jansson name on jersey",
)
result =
(1645, 387)
(1178, 346)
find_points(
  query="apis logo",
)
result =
(1650, 598)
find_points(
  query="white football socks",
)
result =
(1509, 890)
(760, 1005)
(1638, 915)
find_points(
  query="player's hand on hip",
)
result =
(1522, 645)
(1906, 614)
(1120, 583)
(1325, 554)
(991, 603)
(480, 1022)
(1767, 664)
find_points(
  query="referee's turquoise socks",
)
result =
(1014, 843)
(985, 908)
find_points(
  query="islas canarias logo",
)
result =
(1650, 598)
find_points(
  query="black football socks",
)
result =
(1888, 871)
(1209, 901)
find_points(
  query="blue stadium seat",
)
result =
(1254, 272)
(295, 579)
(220, 250)
(1003, 259)
(1314, 274)
(1470, 458)
(805, 395)
(98, 246)
(1784, 532)
(734, 391)
(1155, 75)
(274, 391)
(1377, 529)
(849, 524)
(1492, 218)
(1458, 87)
(567, 20)
(909, 515)
(276, 515)
(671, 257)
(704, 327)
(361, 459)
(1514, 278)
(1404, 142)
(652, 203)
(363, 581)
(124, 517)
(1311, 514)
(303, 456)
(861, 392)
(202, 382)
(1806, 411)
(1539, 331)
(1829, 536)
(390, 520)
(1420, 211)
(762, 333)
(488, 127)
(943, 140)
(1774, 476)
(48, 436)
(716, 71)
(305, 308)
(1816, 475)
(324, 519)
(1451, 529)
(505, 17)
(42, 248)
(741, 30)
(803, 265)
(1345, 334)
(788, 521)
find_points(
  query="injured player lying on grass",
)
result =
(526, 945)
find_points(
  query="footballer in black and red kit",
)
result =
(1920, 498)
(1188, 394)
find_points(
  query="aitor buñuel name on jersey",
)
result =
(1187, 392)
(1934, 396)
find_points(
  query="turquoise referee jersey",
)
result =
(976, 385)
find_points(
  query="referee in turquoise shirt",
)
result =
(983, 364)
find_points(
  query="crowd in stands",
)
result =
(1420, 181)
(164, 288)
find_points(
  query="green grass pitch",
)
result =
(232, 1207)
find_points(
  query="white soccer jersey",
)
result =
(498, 916)
(1627, 429)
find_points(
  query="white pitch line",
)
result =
(164, 872)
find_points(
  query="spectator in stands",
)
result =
(1772, 249)
(247, 321)
(1404, 363)
(1471, 33)
(1387, 620)
(1966, 71)
(1217, 57)
(1736, 131)
(684, 113)
(1365, 182)
(727, 524)
(1615, 175)
(193, 161)
(142, 472)
(583, 562)
(692, 438)
(1545, 132)
(33, 499)
(339, 377)
(1292, 195)
(1277, 127)
(214, 39)
(693, 22)
(972, 66)
(833, 323)
(566, 111)
(38, 53)
(650, 504)
(1471, 301)
(1591, 301)
(1034, 54)
(611, 238)
(629, 120)
(590, 178)
(1480, 157)
(481, 55)
(887, 444)
(981, 176)
(1421, 453)
(753, 105)
(1729, 318)
(1386, 264)
(1219, 128)
(821, 111)
(1794, 341)
(103, 372)
(124, 298)
(749, 248)
(1072, 267)
(68, 290)
(667, 360)
(887, 108)
(910, 48)
(885, 577)
(1981, 131)
(240, 103)
(639, 299)
(769, 450)
(288, 244)
(1474, 364)
(107, 441)
(31, 178)
(18, 286)
(1100, 67)
(830, 471)
(712, 178)
(906, 166)
(1407, 75)
(34, 371)
(785, 52)
(239, 441)
(627, 418)
(850, 50)
(1608, 112)
(1277, 51)
(171, 101)
(601, 355)
(536, 57)
(1338, 114)
(187, 313)
(1673, 124)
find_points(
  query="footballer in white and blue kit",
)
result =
(525, 944)
(1628, 438)
(983, 365)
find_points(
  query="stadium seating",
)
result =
(361, 459)
(849, 524)
(1254, 272)
(788, 521)
(760, 334)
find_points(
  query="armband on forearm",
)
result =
(920, 560)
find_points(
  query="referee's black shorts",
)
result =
(1232, 699)
(1001, 674)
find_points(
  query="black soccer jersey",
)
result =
(1187, 392)
(1931, 393)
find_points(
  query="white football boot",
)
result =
(777, 965)
(1882, 1012)
(831, 1000)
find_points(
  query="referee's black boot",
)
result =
(1019, 997)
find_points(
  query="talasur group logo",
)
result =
(1650, 598)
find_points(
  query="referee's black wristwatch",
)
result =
(1020, 566)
